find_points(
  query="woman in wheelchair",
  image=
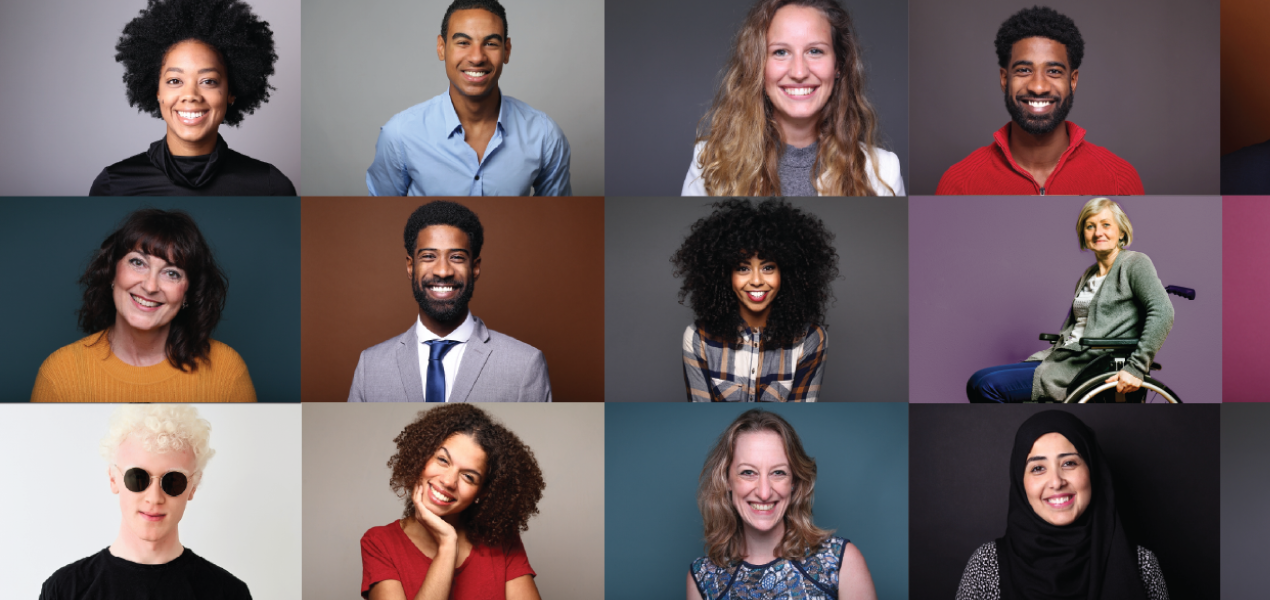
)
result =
(758, 281)
(1118, 297)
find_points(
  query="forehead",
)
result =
(465, 452)
(801, 22)
(475, 22)
(759, 447)
(1104, 215)
(1038, 50)
(442, 237)
(132, 453)
(192, 53)
(1051, 445)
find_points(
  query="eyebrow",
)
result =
(472, 471)
(492, 36)
(1028, 63)
(463, 250)
(180, 70)
(1036, 458)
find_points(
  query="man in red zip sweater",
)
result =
(1039, 151)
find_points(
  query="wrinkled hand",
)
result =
(440, 529)
(1125, 382)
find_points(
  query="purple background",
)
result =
(988, 274)
(1247, 279)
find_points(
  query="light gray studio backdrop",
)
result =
(346, 451)
(1148, 91)
(664, 62)
(367, 61)
(58, 508)
(66, 115)
(867, 357)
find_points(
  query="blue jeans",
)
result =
(1004, 383)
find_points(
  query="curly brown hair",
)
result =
(513, 482)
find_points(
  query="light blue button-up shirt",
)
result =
(421, 152)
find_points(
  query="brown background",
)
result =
(1245, 90)
(542, 282)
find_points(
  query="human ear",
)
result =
(440, 48)
(1004, 79)
(1075, 76)
(114, 485)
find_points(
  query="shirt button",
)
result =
(478, 178)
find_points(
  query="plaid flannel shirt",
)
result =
(714, 372)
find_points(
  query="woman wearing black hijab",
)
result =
(1063, 535)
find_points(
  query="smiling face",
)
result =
(453, 476)
(193, 97)
(151, 515)
(148, 291)
(799, 73)
(756, 283)
(761, 480)
(475, 52)
(1039, 85)
(443, 275)
(1056, 479)
(1102, 233)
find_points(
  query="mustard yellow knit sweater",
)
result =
(87, 371)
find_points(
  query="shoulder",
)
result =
(76, 352)
(703, 569)
(527, 114)
(694, 185)
(417, 118)
(888, 162)
(1118, 167)
(1245, 171)
(508, 345)
(692, 335)
(270, 180)
(830, 555)
(65, 578)
(1152, 576)
(953, 180)
(215, 578)
(379, 533)
(387, 348)
(133, 164)
(221, 356)
(816, 338)
(982, 568)
(1137, 262)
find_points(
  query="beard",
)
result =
(1038, 124)
(444, 311)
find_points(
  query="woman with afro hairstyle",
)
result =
(470, 486)
(790, 117)
(195, 64)
(758, 280)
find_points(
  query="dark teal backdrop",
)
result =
(47, 242)
(653, 456)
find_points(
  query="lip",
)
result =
(749, 296)
(137, 305)
(789, 91)
(1048, 107)
(1066, 501)
(151, 517)
(763, 513)
(439, 295)
(470, 78)
(431, 494)
(190, 122)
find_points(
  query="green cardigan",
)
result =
(1131, 302)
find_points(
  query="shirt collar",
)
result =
(452, 124)
(1075, 135)
(461, 334)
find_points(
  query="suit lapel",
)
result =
(408, 366)
(474, 357)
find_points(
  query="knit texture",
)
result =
(87, 371)
(1083, 170)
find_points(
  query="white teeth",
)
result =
(1059, 500)
(474, 73)
(757, 295)
(762, 506)
(438, 497)
(802, 91)
(191, 115)
(145, 303)
(1038, 103)
(442, 289)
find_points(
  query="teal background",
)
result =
(47, 242)
(653, 456)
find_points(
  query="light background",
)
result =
(654, 458)
(1131, 97)
(346, 492)
(987, 275)
(244, 518)
(367, 61)
(66, 115)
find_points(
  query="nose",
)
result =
(755, 279)
(151, 282)
(450, 478)
(798, 69)
(154, 494)
(1037, 85)
(443, 269)
(764, 487)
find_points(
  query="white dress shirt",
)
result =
(449, 362)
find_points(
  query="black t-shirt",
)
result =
(224, 172)
(104, 576)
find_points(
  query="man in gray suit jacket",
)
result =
(448, 355)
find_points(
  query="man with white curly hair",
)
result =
(155, 456)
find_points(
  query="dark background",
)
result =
(653, 458)
(1148, 88)
(1245, 90)
(1164, 460)
(49, 242)
(867, 357)
(1244, 486)
(663, 61)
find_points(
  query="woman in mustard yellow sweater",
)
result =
(153, 296)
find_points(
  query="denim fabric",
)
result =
(1003, 383)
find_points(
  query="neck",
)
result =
(180, 147)
(1106, 259)
(754, 320)
(760, 546)
(1038, 151)
(798, 133)
(476, 110)
(130, 548)
(441, 328)
(136, 347)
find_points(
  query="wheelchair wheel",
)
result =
(1152, 391)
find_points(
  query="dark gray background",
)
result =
(367, 61)
(1165, 462)
(256, 243)
(66, 115)
(1148, 88)
(1245, 522)
(867, 358)
(664, 61)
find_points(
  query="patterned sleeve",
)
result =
(695, 367)
(1152, 576)
(811, 367)
(982, 578)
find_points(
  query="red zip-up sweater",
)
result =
(1083, 170)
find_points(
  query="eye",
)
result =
(743, 269)
(470, 478)
(136, 262)
(779, 473)
(816, 51)
(769, 268)
(1071, 462)
(427, 256)
(780, 52)
(1036, 469)
(173, 274)
(442, 460)
(747, 473)
(210, 82)
(173, 81)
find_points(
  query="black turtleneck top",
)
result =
(224, 172)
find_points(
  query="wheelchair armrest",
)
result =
(1049, 337)
(1108, 342)
(1178, 290)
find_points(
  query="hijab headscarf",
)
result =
(1088, 559)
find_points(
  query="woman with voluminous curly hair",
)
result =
(790, 117)
(758, 279)
(153, 295)
(755, 496)
(195, 64)
(470, 486)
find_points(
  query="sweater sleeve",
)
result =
(811, 367)
(1158, 320)
(1152, 576)
(695, 367)
(982, 579)
(236, 383)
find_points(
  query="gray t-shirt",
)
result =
(796, 170)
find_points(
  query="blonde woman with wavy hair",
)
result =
(755, 496)
(789, 117)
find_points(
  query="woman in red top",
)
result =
(469, 486)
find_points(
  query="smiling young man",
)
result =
(472, 140)
(155, 454)
(1039, 151)
(448, 355)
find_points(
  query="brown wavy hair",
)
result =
(513, 482)
(725, 539)
(743, 145)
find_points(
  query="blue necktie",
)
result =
(437, 349)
